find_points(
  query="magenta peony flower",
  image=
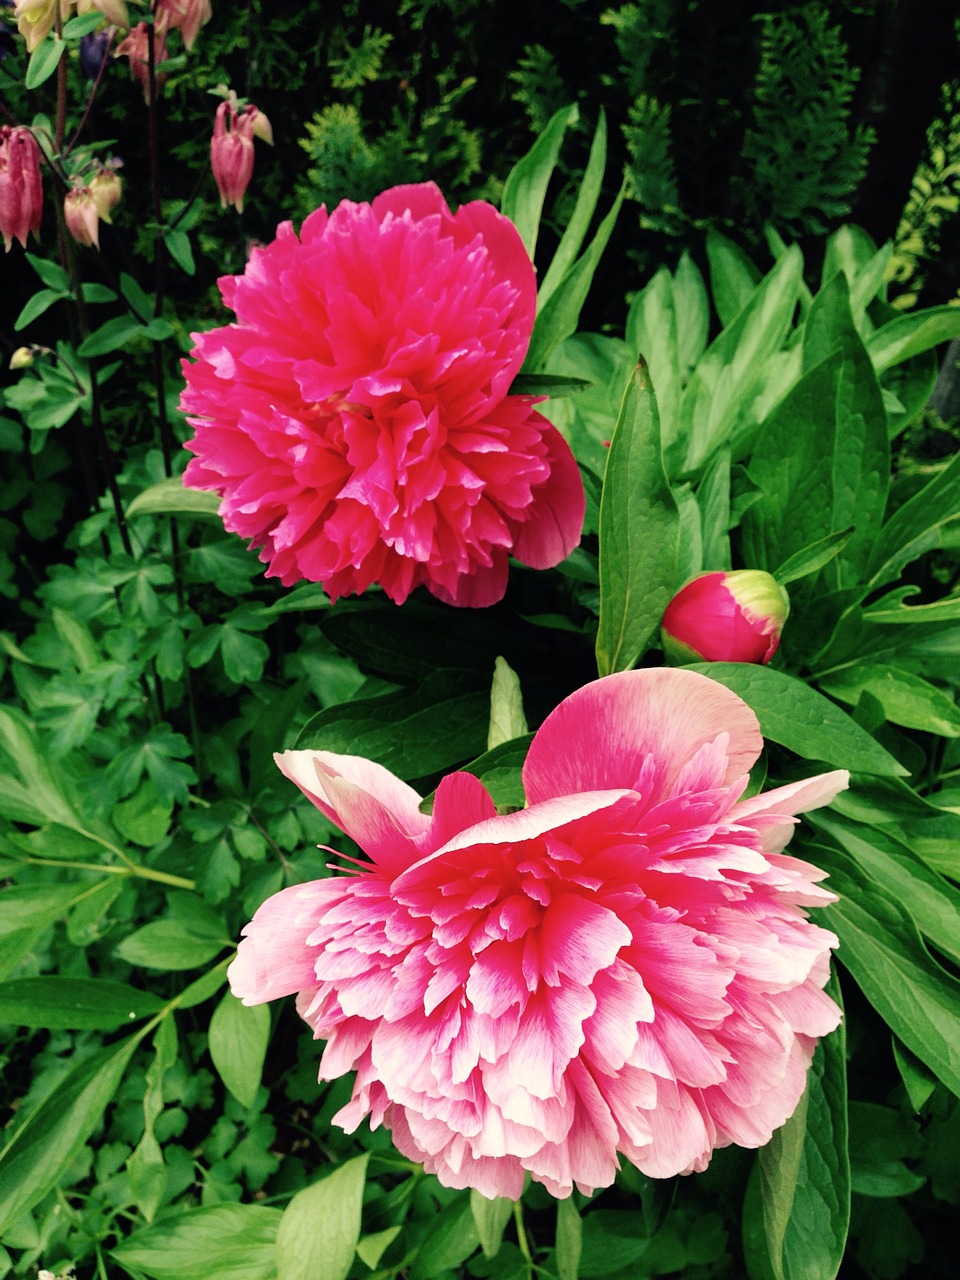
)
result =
(356, 419)
(624, 966)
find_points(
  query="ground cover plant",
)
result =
(501, 661)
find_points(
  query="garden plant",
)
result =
(479, 784)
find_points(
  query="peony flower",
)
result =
(625, 967)
(356, 420)
(21, 187)
(735, 616)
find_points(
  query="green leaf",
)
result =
(733, 277)
(415, 732)
(576, 229)
(561, 313)
(917, 526)
(910, 334)
(907, 699)
(168, 944)
(802, 720)
(507, 720)
(171, 497)
(569, 1240)
(490, 1218)
(804, 1175)
(724, 380)
(98, 293)
(500, 771)
(217, 1242)
(36, 306)
(335, 1202)
(893, 865)
(41, 793)
(79, 26)
(918, 1080)
(811, 559)
(44, 61)
(547, 384)
(116, 333)
(639, 533)
(75, 1004)
(181, 251)
(891, 609)
(452, 1238)
(26, 911)
(370, 1249)
(145, 1166)
(526, 184)
(238, 1046)
(51, 273)
(50, 1137)
(822, 462)
(880, 946)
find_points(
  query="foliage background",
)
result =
(149, 670)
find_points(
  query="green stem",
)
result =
(521, 1232)
(131, 869)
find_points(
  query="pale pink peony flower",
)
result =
(356, 419)
(625, 966)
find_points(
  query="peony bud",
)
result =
(185, 16)
(726, 617)
(106, 187)
(80, 211)
(21, 191)
(231, 152)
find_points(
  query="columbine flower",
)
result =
(35, 18)
(106, 189)
(736, 616)
(625, 966)
(82, 218)
(21, 189)
(231, 153)
(136, 46)
(356, 419)
(185, 16)
(114, 11)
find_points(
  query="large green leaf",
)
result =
(804, 721)
(526, 184)
(802, 1188)
(639, 532)
(50, 1137)
(576, 229)
(171, 497)
(490, 1217)
(907, 699)
(733, 277)
(910, 334)
(880, 946)
(320, 1228)
(418, 731)
(58, 1002)
(822, 462)
(933, 902)
(238, 1045)
(918, 526)
(217, 1242)
(732, 366)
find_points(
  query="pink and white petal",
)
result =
(364, 799)
(461, 800)
(681, 1137)
(784, 802)
(554, 522)
(602, 735)
(274, 959)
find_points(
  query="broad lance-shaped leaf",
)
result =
(49, 1139)
(639, 532)
(526, 184)
(797, 1210)
(576, 229)
(217, 1242)
(917, 526)
(881, 948)
(507, 720)
(171, 497)
(318, 1233)
(59, 1003)
(490, 1217)
(801, 719)
(238, 1045)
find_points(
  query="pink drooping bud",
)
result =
(21, 190)
(136, 47)
(231, 152)
(106, 189)
(80, 212)
(185, 16)
(726, 617)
